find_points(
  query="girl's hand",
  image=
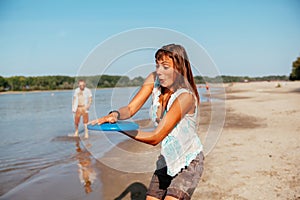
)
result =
(111, 118)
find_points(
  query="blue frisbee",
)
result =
(118, 126)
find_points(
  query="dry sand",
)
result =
(258, 154)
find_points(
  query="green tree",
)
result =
(3, 83)
(295, 74)
(14, 83)
(123, 81)
(137, 81)
(199, 79)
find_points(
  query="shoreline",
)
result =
(215, 85)
(33, 91)
(258, 153)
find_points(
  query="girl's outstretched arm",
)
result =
(135, 104)
(139, 99)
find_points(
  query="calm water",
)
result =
(34, 142)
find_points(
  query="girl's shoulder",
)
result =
(180, 91)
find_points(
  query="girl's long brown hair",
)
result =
(182, 65)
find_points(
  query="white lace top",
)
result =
(182, 144)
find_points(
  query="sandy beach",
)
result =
(258, 154)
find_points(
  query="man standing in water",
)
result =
(82, 101)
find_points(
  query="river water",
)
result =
(34, 143)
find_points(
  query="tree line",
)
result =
(22, 83)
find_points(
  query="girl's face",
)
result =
(166, 72)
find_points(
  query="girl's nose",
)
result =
(158, 70)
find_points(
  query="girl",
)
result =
(174, 113)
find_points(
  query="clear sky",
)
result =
(252, 38)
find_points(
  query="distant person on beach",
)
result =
(207, 91)
(174, 112)
(82, 100)
(207, 86)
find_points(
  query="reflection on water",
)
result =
(87, 174)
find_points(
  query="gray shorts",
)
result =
(180, 186)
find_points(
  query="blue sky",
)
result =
(252, 38)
